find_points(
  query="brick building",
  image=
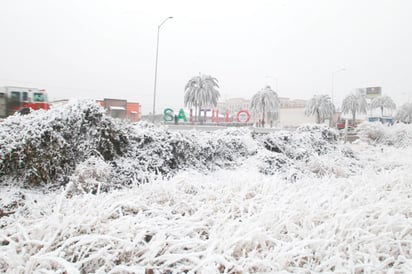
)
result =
(119, 108)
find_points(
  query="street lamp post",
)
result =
(333, 80)
(157, 57)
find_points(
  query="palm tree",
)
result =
(353, 103)
(321, 106)
(404, 113)
(201, 91)
(265, 102)
(383, 102)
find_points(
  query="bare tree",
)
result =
(201, 91)
(354, 103)
(265, 102)
(321, 106)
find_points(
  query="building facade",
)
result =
(119, 108)
(233, 105)
(291, 112)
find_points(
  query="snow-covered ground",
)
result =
(295, 207)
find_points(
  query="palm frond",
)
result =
(383, 102)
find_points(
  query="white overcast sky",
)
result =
(106, 48)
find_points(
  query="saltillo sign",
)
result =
(242, 116)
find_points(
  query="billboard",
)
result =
(371, 92)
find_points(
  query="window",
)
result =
(15, 96)
(132, 116)
(25, 96)
(38, 97)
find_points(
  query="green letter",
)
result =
(181, 115)
(168, 115)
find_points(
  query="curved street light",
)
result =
(157, 57)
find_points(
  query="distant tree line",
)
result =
(203, 91)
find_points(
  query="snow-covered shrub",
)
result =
(399, 135)
(302, 143)
(371, 132)
(46, 146)
(155, 152)
(14, 201)
(92, 175)
(149, 154)
(270, 163)
(311, 148)
(404, 113)
(327, 166)
(50, 147)
(323, 137)
(402, 134)
(321, 130)
(224, 148)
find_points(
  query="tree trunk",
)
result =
(263, 117)
(353, 117)
(199, 116)
(317, 117)
(382, 111)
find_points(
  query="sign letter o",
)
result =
(243, 116)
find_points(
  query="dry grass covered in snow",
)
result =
(230, 221)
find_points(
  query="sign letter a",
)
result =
(181, 115)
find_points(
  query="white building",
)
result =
(233, 105)
(291, 112)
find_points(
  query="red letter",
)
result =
(243, 118)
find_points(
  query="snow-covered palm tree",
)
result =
(404, 113)
(265, 102)
(354, 103)
(201, 91)
(321, 106)
(383, 102)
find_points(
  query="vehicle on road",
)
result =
(341, 124)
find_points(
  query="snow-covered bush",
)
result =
(300, 144)
(402, 134)
(45, 146)
(371, 131)
(399, 135)
(78, 139)
(320, 131)
(155, 152)
(404, 113)
(92, 175)
(310, 150)
(270, 163)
